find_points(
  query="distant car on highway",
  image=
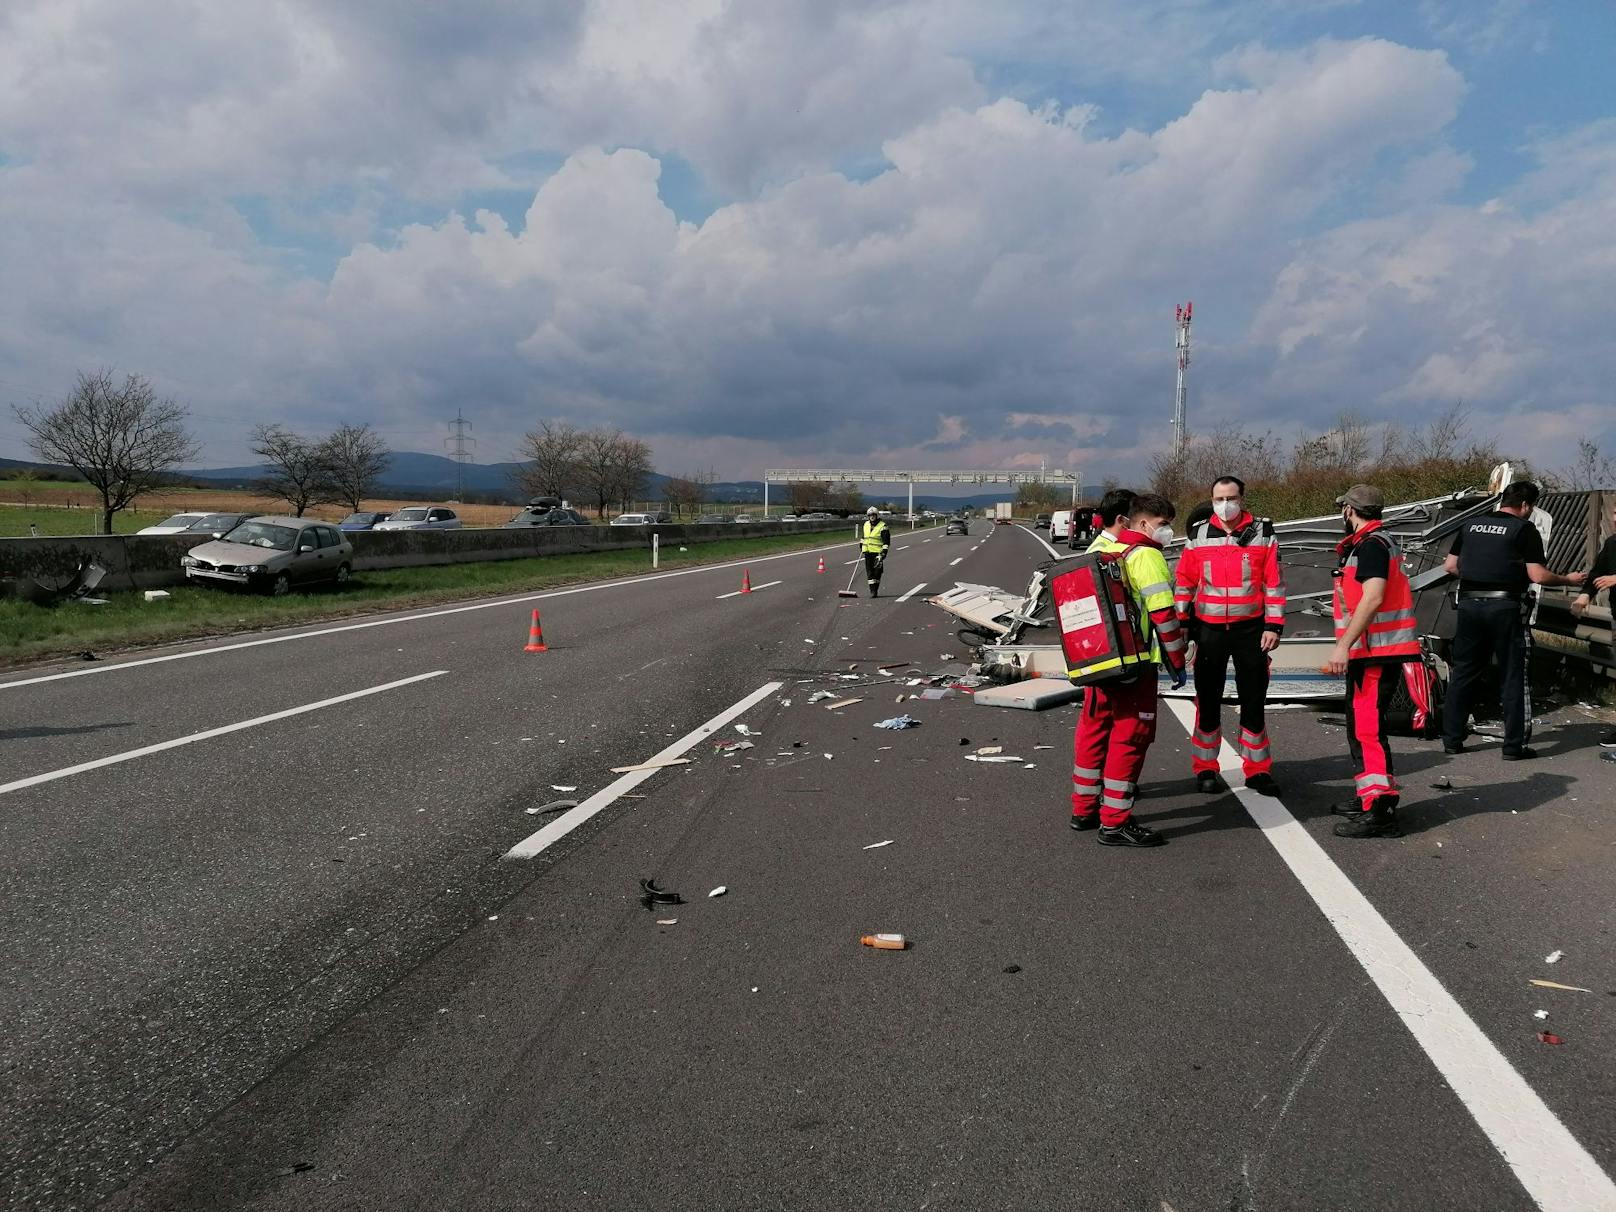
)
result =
(547, 515)
(788, 517)
(956, 526)
(178, 523)
(217, 524)
(273, 555)
(743, 518)
(362, 521)
(714, 519)
(422, 517)
(1041, 522)
(632, 519)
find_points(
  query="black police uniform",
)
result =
(1493, 552)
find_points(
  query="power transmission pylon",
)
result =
(460, 447)
(1181, 342)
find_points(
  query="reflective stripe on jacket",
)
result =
(1231, 574)
(1144, 570)
(1394, 631)
(876, 536)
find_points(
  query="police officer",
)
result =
(875, 541)
(1496, 557)
(1231, 595)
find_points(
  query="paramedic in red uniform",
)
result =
(1375, 635)
(1118, 721)
(1231, 597)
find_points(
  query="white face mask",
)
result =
(1227, 510)
(1163, 535)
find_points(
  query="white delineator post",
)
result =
(656, 547)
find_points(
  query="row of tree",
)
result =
(343, 467)
(603, 465)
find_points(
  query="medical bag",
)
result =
(1101, 634)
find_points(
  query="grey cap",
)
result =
(1364, 496)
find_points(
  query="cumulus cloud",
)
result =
(997, 291)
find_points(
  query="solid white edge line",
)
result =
(1040, 538)
(1557, 1172)
(209, 734)
(912, 592)
(491, 604)
(536, 843)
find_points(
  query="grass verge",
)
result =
(55, 521)
(32, 633)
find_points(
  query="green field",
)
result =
(29, 632)
(15, 520)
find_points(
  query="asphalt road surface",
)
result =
(279, 934)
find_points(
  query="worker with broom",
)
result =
(875, 540)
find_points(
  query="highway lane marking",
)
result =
(146, 750)
(951, 563)
(1557, 1172)
(912, 592)
(543, 839)
(1040, 538)
(736, 592)
(492, 604)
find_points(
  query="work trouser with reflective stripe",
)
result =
(1114, 732)
(1371, 686)
(1215, 646)
(1488, 628)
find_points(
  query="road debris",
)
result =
(732, 746)
(87, 655)
(999, 758)
(819, 696)
(1443, 784)
(935, 693)
(654, 764)
(885, 942)
(718, 891)
(878, 845)
(1559, 986)
(744, 730)
(1540, 1014)
(829, 756)
(840, 703)
(561, 787)
(651, 895)
(989, 750)
(1549, 1037)
(1554, 957)
(898, 722)
(1012, 969)
(552, 806)
(667, 921)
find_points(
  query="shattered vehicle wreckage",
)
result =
(1013, 636)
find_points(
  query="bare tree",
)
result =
(1038, 496)
(612, 466)
(631, 464)
(804, 494)
(297, 469)
(1440, 438)
(551, 454)
(683, 493)
(1592, 469)
(121, 437)
(355, 457)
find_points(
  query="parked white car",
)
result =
(421, 517)
(178, 524)
(632, 519)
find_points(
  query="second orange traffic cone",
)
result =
(535, 636)
(746, 580)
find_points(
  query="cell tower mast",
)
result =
(460, 448)
(1181, 342)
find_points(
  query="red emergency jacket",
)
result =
(1394, 631)
(1228, 574)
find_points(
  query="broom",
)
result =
(848, 592)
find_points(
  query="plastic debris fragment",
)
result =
(1559, 986)
(1554, 957)
(552, 806)
(1540, 1014)
(561, 787)
(746, 731)
(718, 891)
(878, 845)
(885, 942)
(898, 723)
(1549, 1037)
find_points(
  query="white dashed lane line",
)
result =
(912, 592)
(737, 592)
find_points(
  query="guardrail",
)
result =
(153, 561)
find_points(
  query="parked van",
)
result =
(1060, 526)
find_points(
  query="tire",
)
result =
(281, 585)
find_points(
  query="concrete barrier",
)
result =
(153, 561)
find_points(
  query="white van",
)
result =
(1060, 526)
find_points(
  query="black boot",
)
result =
(1085, 820)
(1129, 833)
(1347, 808)
(1263, 784)
(1379, 821)
(1208, 782)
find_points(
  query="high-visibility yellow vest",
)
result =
(875, 536)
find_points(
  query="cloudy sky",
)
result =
(929, 233)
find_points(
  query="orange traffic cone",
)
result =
(535, 637)
(746, 580)
(821, 563)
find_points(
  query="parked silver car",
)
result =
(422, 517)
(178, 523)
(273, 555)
